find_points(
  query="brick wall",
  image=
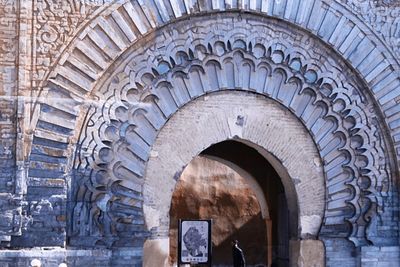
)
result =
(380, 256)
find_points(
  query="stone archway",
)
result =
(236, 204)
(88, 86)
(336, 111)
(209, 120)
(331, 83)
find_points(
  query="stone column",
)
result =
(307, 253)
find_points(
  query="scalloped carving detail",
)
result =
(174, 69)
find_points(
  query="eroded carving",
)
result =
(10, 198)
(56, 22)
(383, 16)
(187, 61)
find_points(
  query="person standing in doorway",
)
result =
(237, 254)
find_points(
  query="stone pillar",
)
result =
(307, 253)
(156, 252)
(268, 224)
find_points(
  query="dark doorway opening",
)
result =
(233, 184)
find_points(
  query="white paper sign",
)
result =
(194, 241)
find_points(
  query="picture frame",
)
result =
(194, 242)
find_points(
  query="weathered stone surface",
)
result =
(176, 148)
(209, 190)
(307, 253)
(157, 253)
(10, 208)
(382, 16)
(380, 256)
(55, 60)
(258, 61)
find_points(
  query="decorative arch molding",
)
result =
(89, 60)
(254, 121)
(190, 60)
(125, 22)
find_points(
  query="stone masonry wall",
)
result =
(208, 189)
(380, 256)
(36, 35)
(10, 198)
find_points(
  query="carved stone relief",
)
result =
(56, 22)
(10, 204)
(383, 16)
(158, 76)
(190, 60)
(110, 34)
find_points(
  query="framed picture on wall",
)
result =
(194, 242)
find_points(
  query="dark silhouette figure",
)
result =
(237, 254)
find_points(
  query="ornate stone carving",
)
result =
(110, 35)
(56, 22)
(10, 204)
(108, 181)
(383, 16)
(186, 61)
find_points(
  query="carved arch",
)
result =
(123, 23)
(127, 23)
(148, 88)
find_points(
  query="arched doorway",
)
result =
(119, 138)
(226, 193)
(208, 189)
(133, 64)
(262, 150)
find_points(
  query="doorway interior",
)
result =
(234, 185)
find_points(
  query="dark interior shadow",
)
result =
(252, 235)
(252, 238)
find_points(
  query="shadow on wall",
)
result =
(210, 190)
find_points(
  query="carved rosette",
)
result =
(188, 61)
(56, 22)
